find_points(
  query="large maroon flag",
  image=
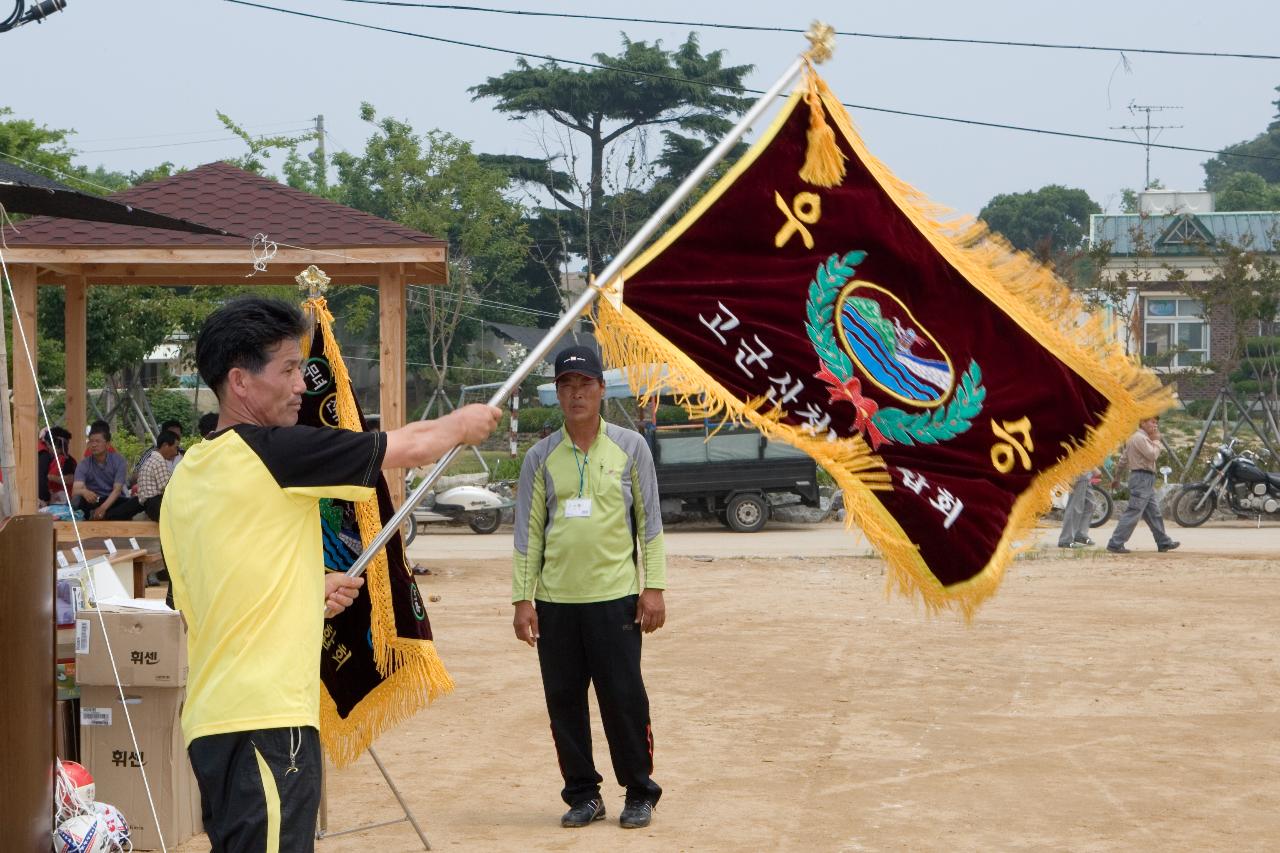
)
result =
(945, 382)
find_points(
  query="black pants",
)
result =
(259, 786)
(598, 643)
(124, 509)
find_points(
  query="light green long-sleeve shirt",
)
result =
(574, 559)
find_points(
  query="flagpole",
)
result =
(583, 302)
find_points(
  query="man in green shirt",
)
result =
(587, 523)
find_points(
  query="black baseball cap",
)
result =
(581, 360)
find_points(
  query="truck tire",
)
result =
(747, 513)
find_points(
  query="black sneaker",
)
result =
(1118, 549)
(583, 813)
(1168, 546)
(1072, 545)
(636, 814)
(1084, 540)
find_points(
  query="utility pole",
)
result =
(1146, 140)
(321, 162)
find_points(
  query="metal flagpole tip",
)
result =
(312, 281)
(822, 41)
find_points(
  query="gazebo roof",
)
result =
(239, 202)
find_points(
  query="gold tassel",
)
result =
(413, 673)
(823, 159)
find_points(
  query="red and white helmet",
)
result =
(117, 826)
(75, 789)
(81, 834)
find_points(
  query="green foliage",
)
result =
(507, 468)
(36, 143)
(129, 446)
(434, 183)
(1247, 191)
(1265, 145)
(687, 95)
(260, 147)
(534, 418)
(668, 415)
(1047, 222)
(173, 405)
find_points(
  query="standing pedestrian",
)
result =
(240, 530)
(1140, 454)
(1078, 514)
(586, 506)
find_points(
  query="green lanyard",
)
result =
(582, 466)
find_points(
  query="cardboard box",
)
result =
(108, 752)
(150, 647)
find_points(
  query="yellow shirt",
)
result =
(240, 529)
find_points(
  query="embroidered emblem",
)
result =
(862, 328)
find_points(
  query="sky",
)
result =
(136, 79)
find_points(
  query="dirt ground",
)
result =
(1097, 703)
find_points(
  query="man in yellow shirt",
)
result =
(240, 529)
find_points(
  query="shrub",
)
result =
(534, 418)
(172, 405)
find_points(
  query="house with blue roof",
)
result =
(1163, 252)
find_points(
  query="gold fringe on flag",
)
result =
(1027, 291)
(413, 674)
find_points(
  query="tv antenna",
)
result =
(1146, 138)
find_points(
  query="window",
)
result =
(1175, 323)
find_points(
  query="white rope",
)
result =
(20, 333)
(263, 251)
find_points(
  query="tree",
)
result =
(612, 111)
(1265, 144)
(1048, 222)
(1247, 191)
(434, 182)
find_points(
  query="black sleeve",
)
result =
(317, 456)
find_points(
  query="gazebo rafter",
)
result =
(351, 246)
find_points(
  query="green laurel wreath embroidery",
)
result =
(820, 309)
(942, 424)
(896, 425)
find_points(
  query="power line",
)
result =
(56, 172)
(176, 144)
(189, 132)
(743, 90)
(453, 7)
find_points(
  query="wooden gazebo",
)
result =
(352, 247)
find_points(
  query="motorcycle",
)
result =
(478, 507)
(1099, 500)
(1235, 478)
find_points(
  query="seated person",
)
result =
(100, 481)
(208, 424)
(61, 468)
(154, 472)
(168, 426)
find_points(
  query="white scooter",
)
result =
(478, 507)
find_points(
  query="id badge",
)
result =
(577, 508)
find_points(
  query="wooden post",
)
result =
(77, 342)
(25, 415)
(26, 670)
(391, 366)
